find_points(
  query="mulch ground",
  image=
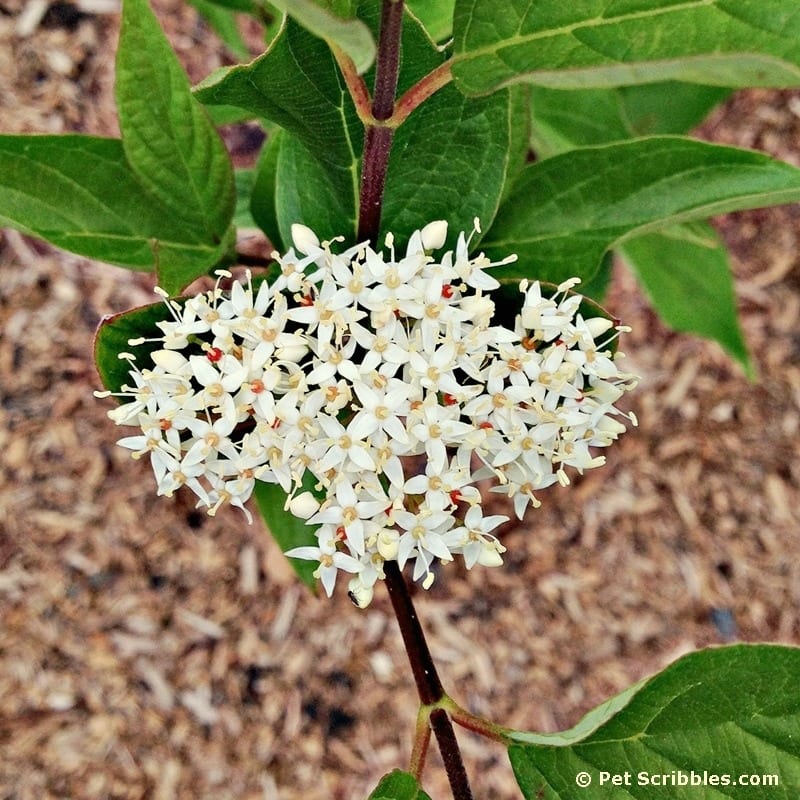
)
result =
(149, 651)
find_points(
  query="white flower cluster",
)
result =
(388, 382)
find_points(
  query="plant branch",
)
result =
(420, 92)
(451, 755)
(377, 145)
(479, 725)
(422, 738)
(429, 687)
(356, 86)
(387, 65)
(378, 136)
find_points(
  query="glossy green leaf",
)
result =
(317, 178)
(79, 193)
(520, 148)
(451, 158)
(688, 733)
(168, 139)
(287, 530)
(604, 43)
(565, 212)
(324, 197)
(686, 275)
(449, 161)
(398, 785)
(350, 35)
(565, 119)
(296, 85)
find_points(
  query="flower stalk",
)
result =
(429, 687)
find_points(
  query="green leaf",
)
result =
(685, 272)
(398, 785)
(296, 84)
(565, 119)
(287, 530)
(449, 161)
(350, 35)
(245, 6)
(323, 197)
(168, 139)
(565, 212)
(722, 712)
(436, 16)
(519, 150)
(79, 193)
(451, 158)
(263, 197)
(222, 21)
(113, 335)
(245, 181)
(603, 43)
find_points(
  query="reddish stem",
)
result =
(429, 687)
(378, 137)
(420, 92)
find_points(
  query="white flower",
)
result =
(423, 535)
(347, 511)
(330, 560)
(475, 541)
(380, 411)
(350, 366)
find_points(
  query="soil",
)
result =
(150, 651)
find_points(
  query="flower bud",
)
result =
(360, 594)
(305, 240)
(388, 544)
(490, 556)
(433, 235)
(304, 505)
(598, 326)
(291, 352)
(168, 360)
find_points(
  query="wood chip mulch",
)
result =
(149, 651)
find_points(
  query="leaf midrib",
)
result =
(568, 30)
